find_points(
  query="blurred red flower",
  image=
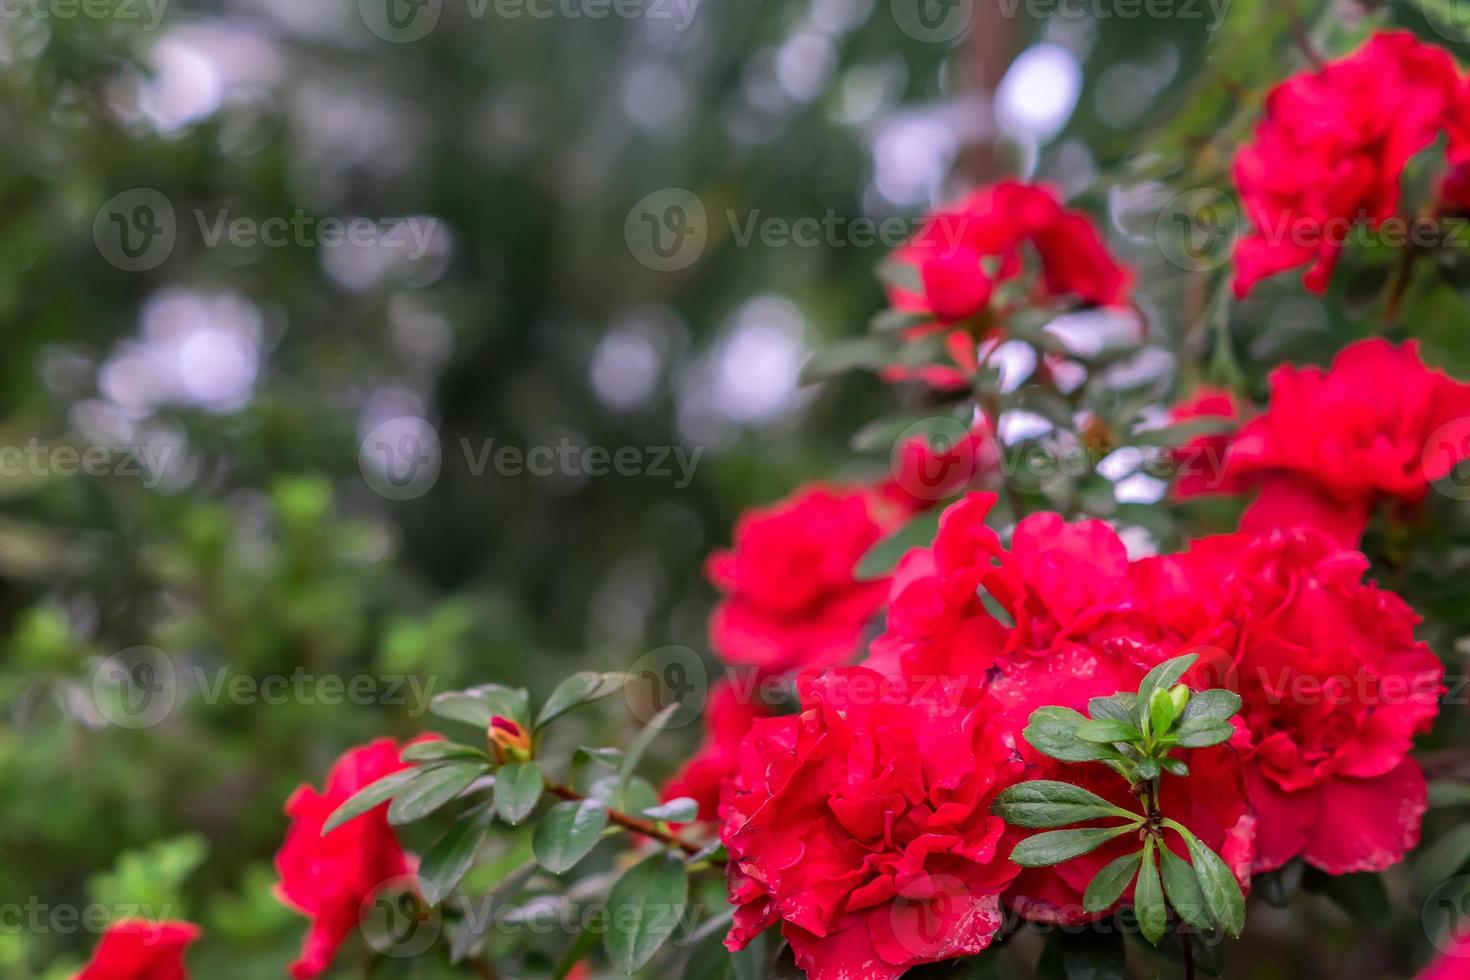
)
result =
(135, 949)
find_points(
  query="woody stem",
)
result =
(633, 824)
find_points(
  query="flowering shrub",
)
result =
(960, 707)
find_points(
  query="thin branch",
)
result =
(633, 824)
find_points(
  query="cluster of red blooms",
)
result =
(861, 825)
(1332, 149)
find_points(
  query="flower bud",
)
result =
(508, 740)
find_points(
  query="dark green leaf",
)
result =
(1277, 887)
(1053, 731)
(1047, 803)
(1119, 707)
(1148, 899)
(441, 751)
(882, 557)
(852, 354)
(1111, 882)
(568, 833)
(1057, 846)
(369, 797)
(478, 705)
(1361, 895)
(606, 755)
(1221, 891)
(641, 742)
(1200, 734)
(448, 860)
(432, 788)
(517, 789)
(894, 321)
(644, 909)
(577, 690)
(904, 275)
(1182, 887)
(1216, 704)
(1174, 766)
(1090, 954)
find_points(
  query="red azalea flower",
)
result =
(1453, 962)
(1200, 461)
(1335, 687)
(927, 471)
(329, 877)
(863, 827)
(728, 718)
(134, 949)
(1330, 151)
(964, 254)
(791, 601)
(1333, 443)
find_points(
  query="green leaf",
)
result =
(1163, 677)
(448, 860)
(851, 354)
(1047, 803)
(1119, 707)
(1182, 887)
(517, 789)
(1221, 891)
(1053, 731)
(644, 909)
(577, 690)
(1044, 850)
(895, 321)
(1200, 734)
(640, 745)
(883, 556)
(904, 275)
(681, 810)
(1162, 710)
(1277, 887)
(1148, 899)
(432, 788)
(1444, 857)
(1107, 730)
(441, 751)
(1216, 704)
(606, 755)
(369, 797)
(1111, 882)
(568, 833)
(1091, 954)
(1174, 766)
(1361, 895)
(478, 705)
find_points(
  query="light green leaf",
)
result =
(1107, 730)
(1053, 731)
(681, 810)
(883, 556)
(1162, 677)
(568, 833)
(441, 751)
(644, 909)
(1216, 704)
(478, 705)
(517, 789)
(1201, 734)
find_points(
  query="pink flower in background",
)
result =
(134, 949)
(791, 600)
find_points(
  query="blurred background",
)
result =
(280, 279)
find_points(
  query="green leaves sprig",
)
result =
(1134, 734)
